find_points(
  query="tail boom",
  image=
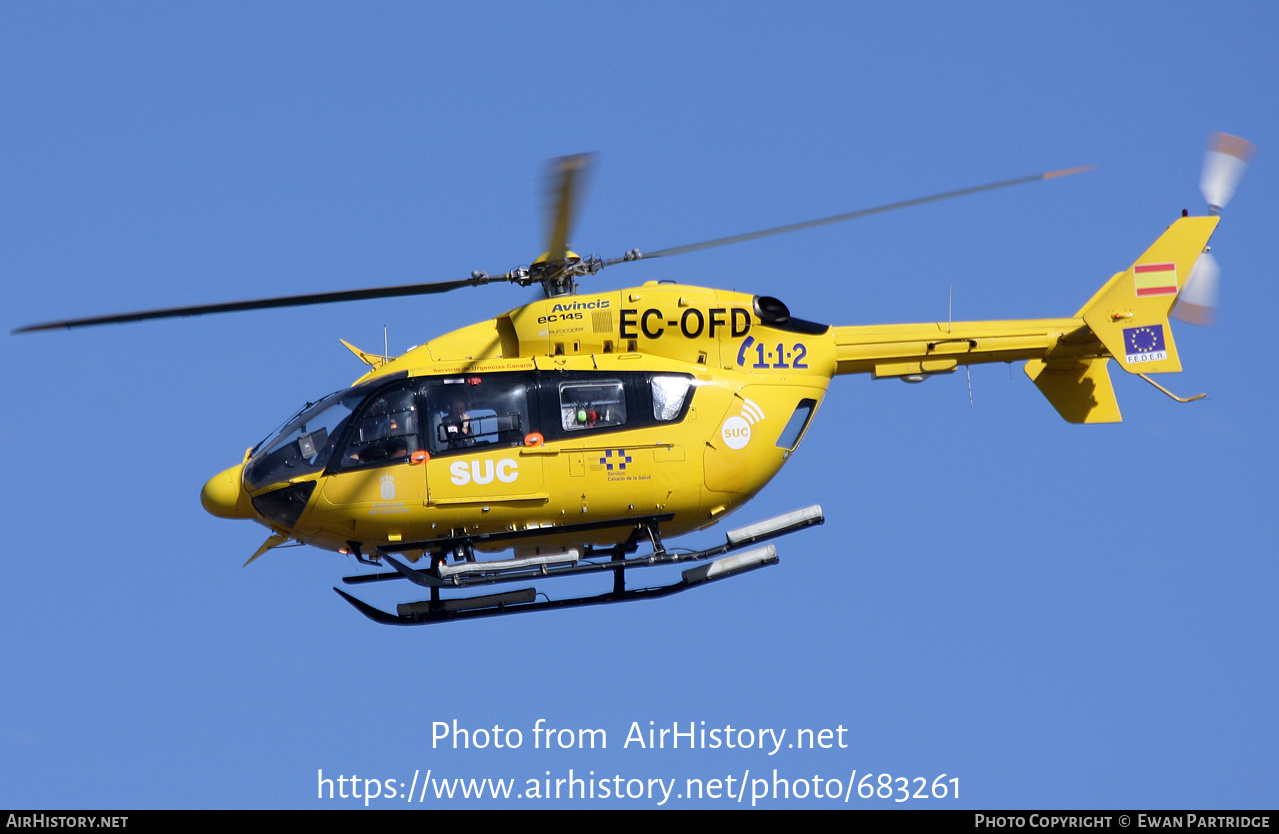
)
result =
(1127, 320)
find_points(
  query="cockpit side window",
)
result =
(385, 431)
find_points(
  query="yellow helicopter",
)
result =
(570, 433)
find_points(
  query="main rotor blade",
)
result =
(565, 182)
(852, 215)
(266, 303)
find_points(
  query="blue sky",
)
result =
(1059, 616)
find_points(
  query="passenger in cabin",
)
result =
(456, 424)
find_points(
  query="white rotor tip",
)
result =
(1240, 149)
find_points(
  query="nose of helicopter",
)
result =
(223, 497)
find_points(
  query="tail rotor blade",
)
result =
(1197, 301)
(1224, 163)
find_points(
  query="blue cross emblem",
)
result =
(621, 460)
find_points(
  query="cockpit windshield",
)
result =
(306, 442)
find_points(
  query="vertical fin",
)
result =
(1130, 313)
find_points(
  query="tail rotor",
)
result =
(1224, 164)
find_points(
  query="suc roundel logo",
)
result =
(736, 432)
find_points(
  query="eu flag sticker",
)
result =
(1144, 344)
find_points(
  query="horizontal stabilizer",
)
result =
(1080, 390)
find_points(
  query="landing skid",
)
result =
(615, 559)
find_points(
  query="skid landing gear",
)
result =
(570, 562)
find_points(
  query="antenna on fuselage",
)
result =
(950, 318)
